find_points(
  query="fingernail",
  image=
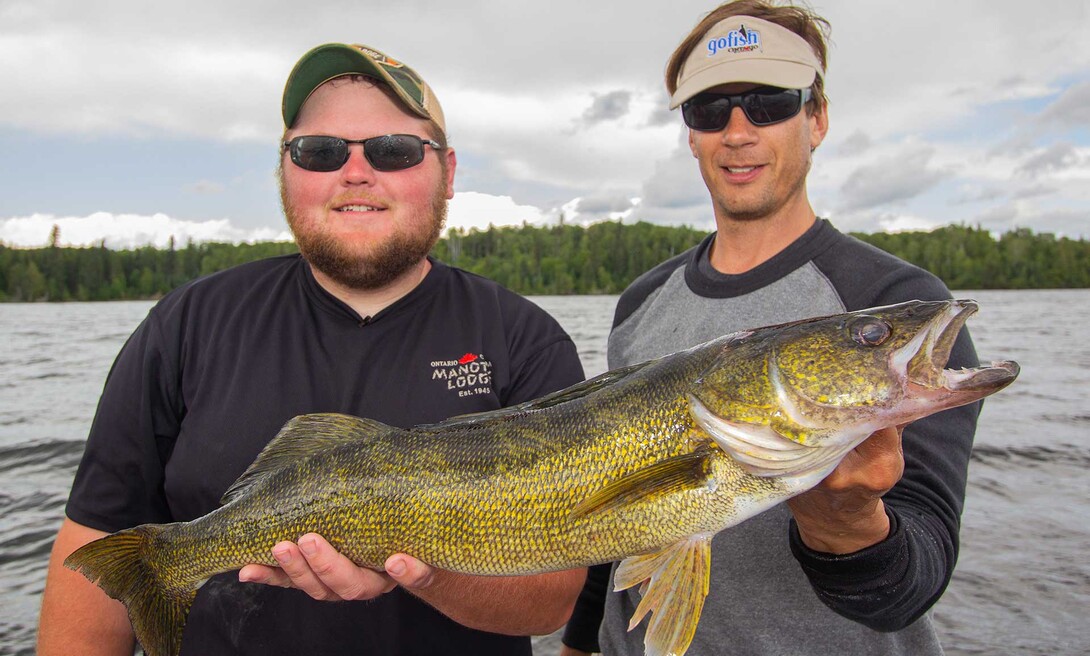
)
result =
(248, 577)
(282, 555)
(396, 567)
(308, 546)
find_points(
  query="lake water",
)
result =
(1022, 585)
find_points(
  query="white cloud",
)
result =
(930, 122)
(608, 106)
(126, 230)
(205, 187)
(1040, 217)
(546, 139)
(1071, 108)
(1057, 157)
(854, 144)
(470, 209)
(900, 177)
(675, 192)
(466, 210)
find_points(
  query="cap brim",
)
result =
(773, 72)
(329, 61)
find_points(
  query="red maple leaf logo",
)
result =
(467, 358)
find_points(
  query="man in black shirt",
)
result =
(362, 322)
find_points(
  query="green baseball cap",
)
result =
(331, 60)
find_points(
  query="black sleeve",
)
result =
(891, 584)
(581, 631)
(119, 482)
(548, 369)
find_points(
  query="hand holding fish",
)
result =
(315, 567)
(844, 513)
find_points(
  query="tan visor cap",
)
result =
(746, 49)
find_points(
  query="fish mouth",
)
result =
(925, 357)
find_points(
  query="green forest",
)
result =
(601, 258)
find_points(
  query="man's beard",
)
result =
(382, 263)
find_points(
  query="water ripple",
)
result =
(1022, 579)
(1031, 455)
(41, 456)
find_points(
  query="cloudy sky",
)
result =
(131, 121)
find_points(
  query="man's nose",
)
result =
(357, 170)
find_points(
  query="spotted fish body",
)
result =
(641, 465)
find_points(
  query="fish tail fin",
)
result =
(120, 565)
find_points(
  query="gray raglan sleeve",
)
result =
(889, 585)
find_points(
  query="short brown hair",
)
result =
(802, 21)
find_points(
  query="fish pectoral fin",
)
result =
(301, 437)
(673, 584)
(676, 474)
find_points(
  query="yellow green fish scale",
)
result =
(488, 497)
(499, 493)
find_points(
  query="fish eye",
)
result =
(870, 331)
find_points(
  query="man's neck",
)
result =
(743, 245)
(369, 302)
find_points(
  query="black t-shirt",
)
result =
(220, 364)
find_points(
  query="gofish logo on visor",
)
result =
(735, 41)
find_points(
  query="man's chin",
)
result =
(364, 265)
(362, 271)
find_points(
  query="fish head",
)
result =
(832, 381)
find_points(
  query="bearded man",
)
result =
(364, 322)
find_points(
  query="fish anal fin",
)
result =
(673, 584)
(302, 437)
(675, 474)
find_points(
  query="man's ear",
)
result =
(819, 126)
(452, 163)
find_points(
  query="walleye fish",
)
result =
(642, 464)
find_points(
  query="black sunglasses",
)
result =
(391, 152)
(710, 112)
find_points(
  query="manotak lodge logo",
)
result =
(469, 375)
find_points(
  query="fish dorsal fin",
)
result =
(675, 474)
(301, 437)
(577, 391)
(673, 584)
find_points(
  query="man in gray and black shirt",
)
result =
(852, 566)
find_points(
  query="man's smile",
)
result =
(357, 208)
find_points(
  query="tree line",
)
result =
(602, 258)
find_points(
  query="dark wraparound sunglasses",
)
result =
(391, 152)
(710, 112)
